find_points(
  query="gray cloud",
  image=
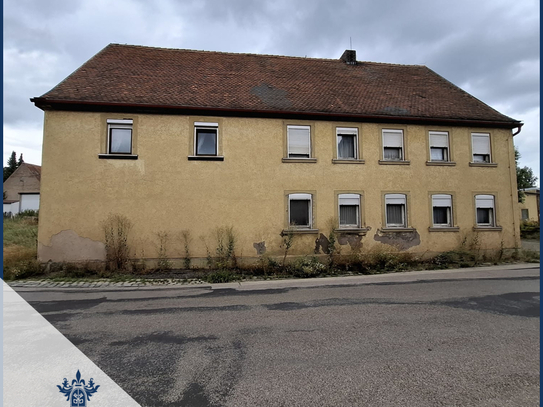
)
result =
(490, 48)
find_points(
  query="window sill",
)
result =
(299, 231)
(351, 230)
(444, 229)
(441, 163)
(487, 228)
(299, 160)
(347, 161)
(389, 229)
(118, 156)
(394, 162)
(205, 158)
(492, 165)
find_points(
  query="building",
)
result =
(22, 189)
(529, 209)
(392, 156)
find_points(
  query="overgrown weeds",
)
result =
(162, 247)
(116, 229)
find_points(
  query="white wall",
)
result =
(30, 202)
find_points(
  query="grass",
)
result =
(20, 247)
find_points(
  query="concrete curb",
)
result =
(405, 276)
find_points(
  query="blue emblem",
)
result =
(78, 393)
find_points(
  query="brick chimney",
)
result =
(349, 57)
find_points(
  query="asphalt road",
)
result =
(466, 338)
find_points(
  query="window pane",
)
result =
(348, 215)
(392, 153)
(525, 214)
(484, 216)
(441, 216)
(438, 154)
(395, 214)
(120, 141)
(299, 212)
(346, 146)
(481, 158)
(206, 142)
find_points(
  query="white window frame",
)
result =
(440, 201)
(391, 197)
(401, 147)
(350, 197)
(120, 124)
(474, 153)
(206, 126)
(297, 127)
(301, 197)
(447, 147)
(347, 131)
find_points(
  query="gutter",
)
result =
(519, 128)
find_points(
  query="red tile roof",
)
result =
(175, 78)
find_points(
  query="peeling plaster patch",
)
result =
(400, 240)
(260, 248)
(355, 241)
(322, 243)
(69, 246)
(271, 96)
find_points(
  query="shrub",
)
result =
(221, 276)
(116, 230)
(163, 263)
(226, 247)
(306, 267)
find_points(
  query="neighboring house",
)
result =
(529, 209)
(22, 189)
(388, 155)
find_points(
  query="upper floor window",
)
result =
(300, 210)
(439, 146)
(347, 143)
(393, 148)
(206, 139)
(119, 136)
(395, 210)
(349, 210)
(480, 145)
(484, 206)
(442, 210)
(299, 141)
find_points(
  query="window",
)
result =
(119, 136)
(299, 210)
(442, 210)
(524, 214)
(484, 205)
(206, 139)
(299, 141)
(349, 210)
(480, 144)
(395, 205)
(439, 146)
(393, 145)
(347, 143)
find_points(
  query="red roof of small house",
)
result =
(139, 77)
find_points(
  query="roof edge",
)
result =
(45, 104)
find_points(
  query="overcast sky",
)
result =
(489, 48)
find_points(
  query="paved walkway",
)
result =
(488, 271)
(530, 244)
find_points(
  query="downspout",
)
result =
(514, 189)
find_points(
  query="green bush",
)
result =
(221, 276)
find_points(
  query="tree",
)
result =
(525, 178)
(12, 165)
(20, 160)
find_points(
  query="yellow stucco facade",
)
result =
(530, 206)
(163, 191)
